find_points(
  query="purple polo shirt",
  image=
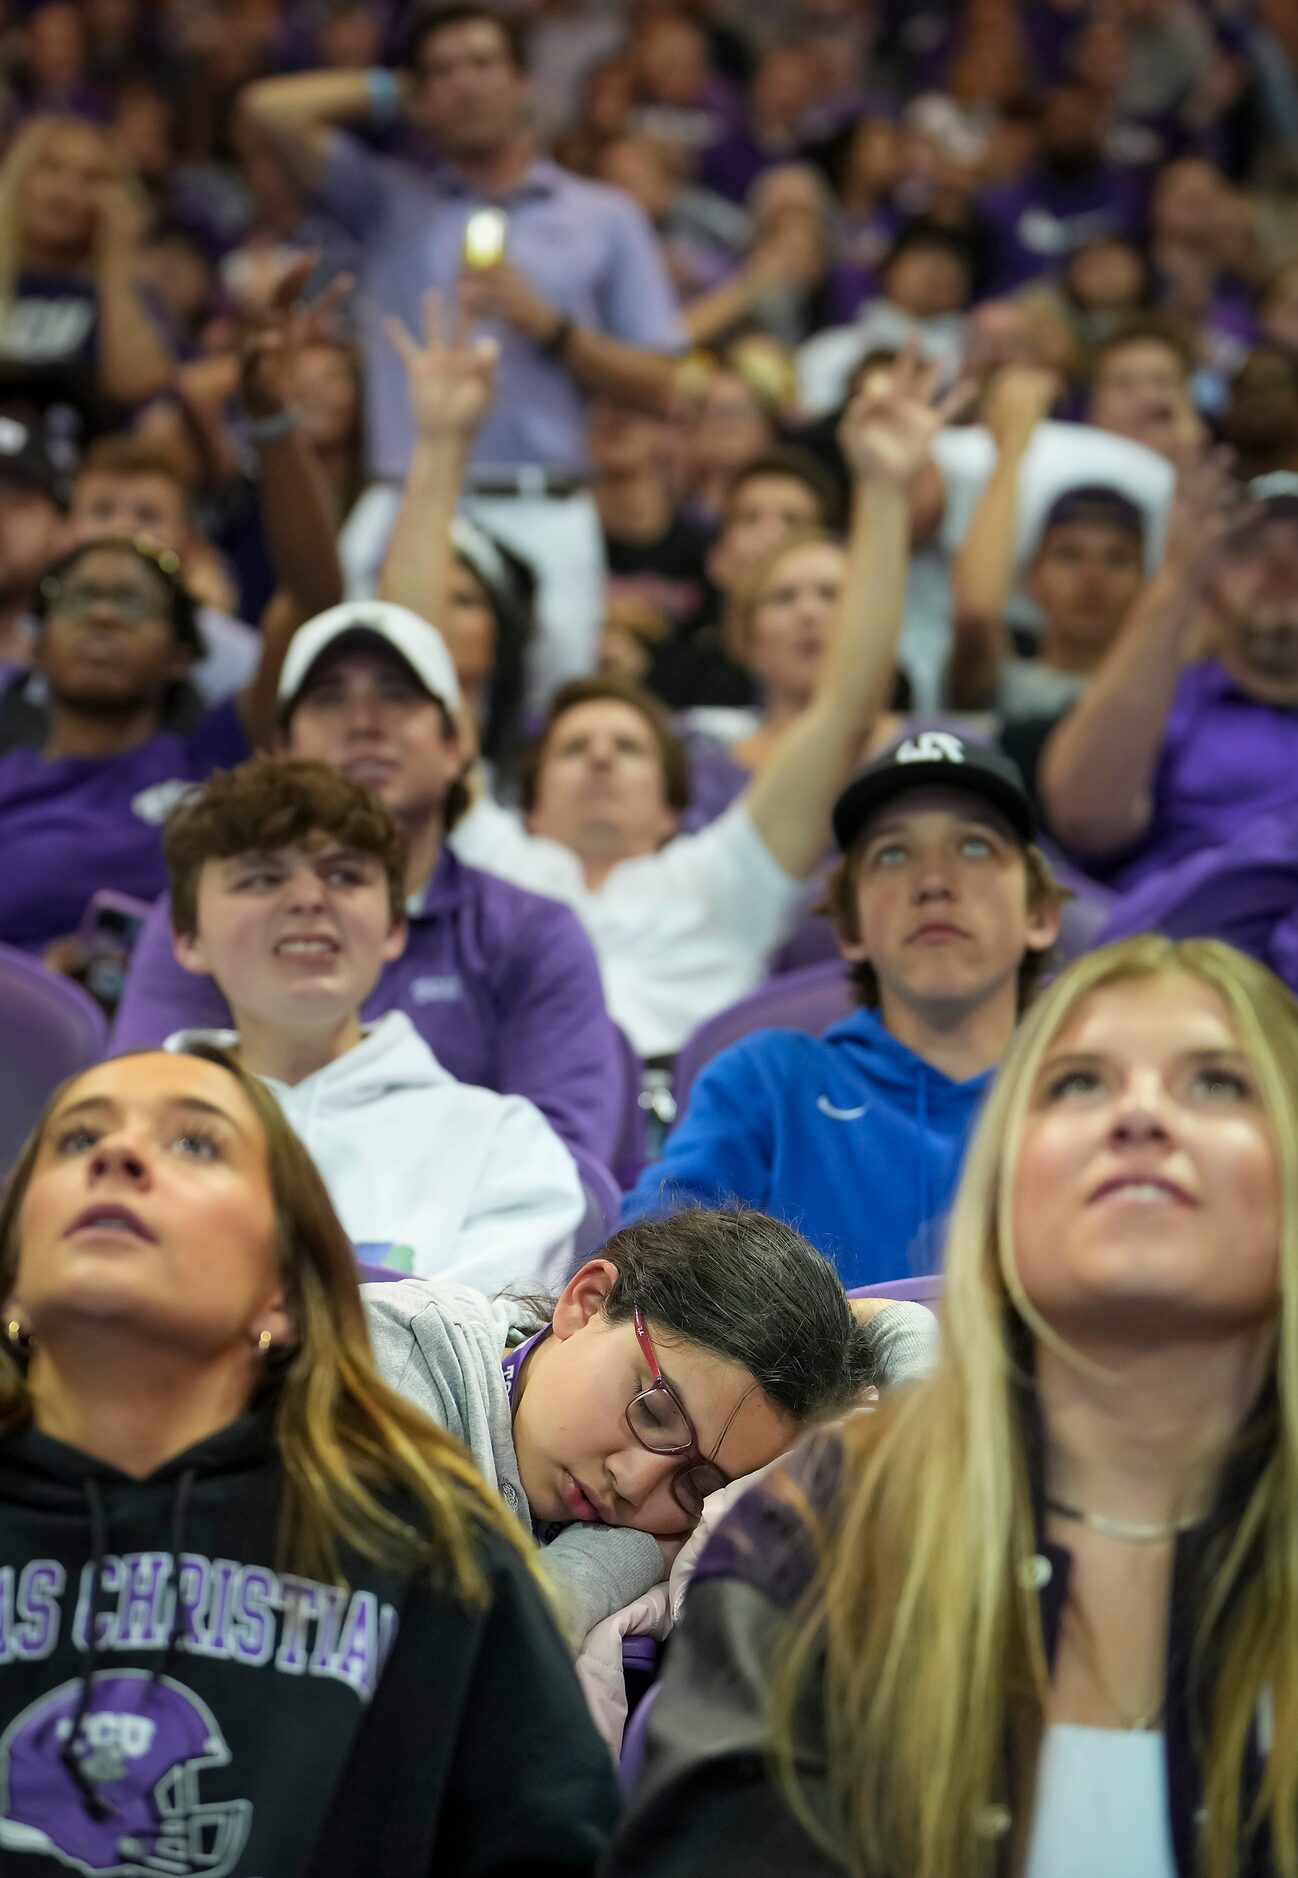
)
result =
(586, 248)
(1226, 761)
(501, 983)
(72, 825)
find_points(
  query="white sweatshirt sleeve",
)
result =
(527, 1202)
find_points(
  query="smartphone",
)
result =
(108, 933)
(484, 238)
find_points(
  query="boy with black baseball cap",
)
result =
(945, 910)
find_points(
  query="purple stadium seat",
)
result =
(603, 1204)
(807, 1000)
(634, 1740)
(926, 1290)
(49, 1029)
(631, 1150)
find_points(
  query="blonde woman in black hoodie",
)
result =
(259, 1618)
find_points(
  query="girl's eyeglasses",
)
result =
(657, 1419)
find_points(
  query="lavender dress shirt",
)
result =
(585, 247)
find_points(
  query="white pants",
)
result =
(558, 535)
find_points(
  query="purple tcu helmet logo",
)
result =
(142, 1746)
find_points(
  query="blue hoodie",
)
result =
(850, 1137)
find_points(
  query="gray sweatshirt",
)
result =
(441, 1345)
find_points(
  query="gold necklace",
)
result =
(1127, 1530)
(1133, 1724)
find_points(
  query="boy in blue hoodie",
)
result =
(944, 910)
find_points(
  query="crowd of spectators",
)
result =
(533, 532)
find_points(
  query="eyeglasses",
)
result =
(77, 598)
(657, 1419)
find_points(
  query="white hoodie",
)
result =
(430, 1175)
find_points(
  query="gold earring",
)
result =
(264, 1342)
(14, 1330)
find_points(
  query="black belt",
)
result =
(528, 483)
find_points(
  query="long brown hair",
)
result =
(350, 1446)
(919, 1631)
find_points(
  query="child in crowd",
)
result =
(287, 887)
(1036, 1614)
(945, 911)
(268, 1617)
(690, 1352)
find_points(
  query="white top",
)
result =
(679, 934)
(427, 1174)
(1101, 1806)
(825, 362)
(1060, 457)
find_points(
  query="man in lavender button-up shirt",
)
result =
(579, 299)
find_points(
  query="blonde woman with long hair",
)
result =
(258, 1615)
(1039, 1614)
(71, 314)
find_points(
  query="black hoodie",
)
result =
(264, 1725)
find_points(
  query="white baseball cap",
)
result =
(415, 641)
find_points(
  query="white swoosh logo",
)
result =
(826, 1107)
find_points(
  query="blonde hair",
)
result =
(26, 153)
(918, 1629)
(351, 1448)
(753, 590)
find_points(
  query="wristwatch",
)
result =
(555, 345)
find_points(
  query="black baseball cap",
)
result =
(935, 759)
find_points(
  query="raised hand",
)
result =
(502, 293)
(1209, 509)
(452, 381)
(121, 217)
(275, 327)
(1020, 398)
(889, 426)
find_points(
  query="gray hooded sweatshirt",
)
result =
(441, 1346)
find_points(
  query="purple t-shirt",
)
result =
(1226, 761)
(72, 825)
(1040, 221)
(502, 984)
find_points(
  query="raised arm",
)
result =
(1097, 773)
(133, 362)
(886, 434)
(983, 573)
(451, 384)
(296, 504)
(296, 114)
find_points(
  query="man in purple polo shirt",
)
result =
(1163, 758)
(563, 273)
(502, 983)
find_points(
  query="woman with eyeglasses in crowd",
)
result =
(693, 1350)
(1039, 1614)
(259, 1615)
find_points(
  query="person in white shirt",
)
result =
(1138, 416)
(287, 887)
(682, 925)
